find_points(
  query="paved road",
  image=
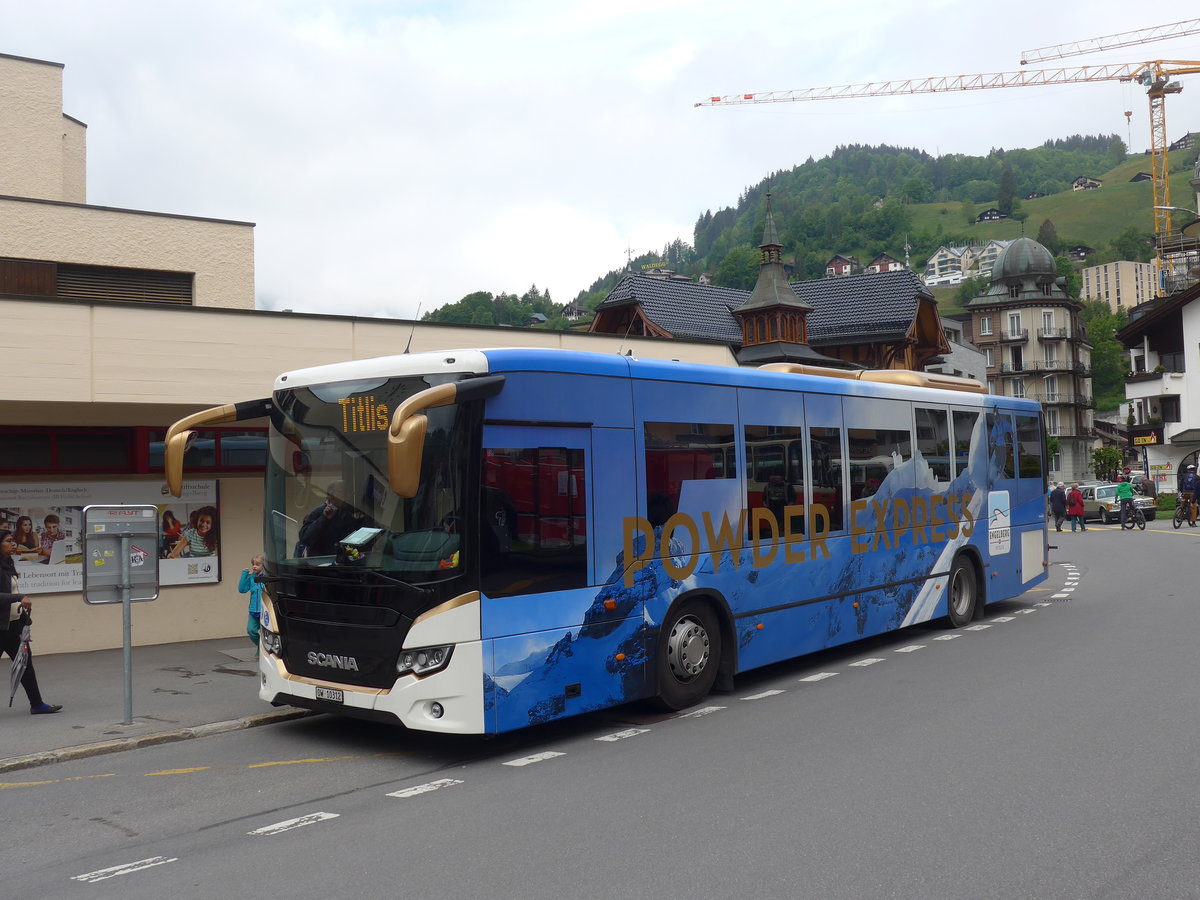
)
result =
(1047, 752)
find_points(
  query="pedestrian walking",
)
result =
(1058, 505)
(1075, 508)
(248, 584)
(14, 628)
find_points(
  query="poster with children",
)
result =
(47, 522)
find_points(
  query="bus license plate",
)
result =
(330, 694)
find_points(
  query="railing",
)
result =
(1052, 334)
(1021, 334)
(1010, 368)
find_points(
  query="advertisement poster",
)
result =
(47, 521)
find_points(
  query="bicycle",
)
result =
(1134, 517)
(1182, 512)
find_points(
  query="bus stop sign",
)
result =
(120, 553)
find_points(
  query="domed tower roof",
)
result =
(1023, 258)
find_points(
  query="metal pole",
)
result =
(127, 628)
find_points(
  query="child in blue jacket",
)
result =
(247, 585)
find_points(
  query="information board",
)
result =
(119, 553)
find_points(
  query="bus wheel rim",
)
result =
(960, 594)
(687, 649)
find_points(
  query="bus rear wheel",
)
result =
(962, 594)
(689, 655)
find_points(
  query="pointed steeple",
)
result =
(772, 313)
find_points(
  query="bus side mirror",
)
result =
(173, 452)
(404, 451)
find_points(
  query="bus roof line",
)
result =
(884, 376)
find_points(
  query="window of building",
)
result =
(1014, 323)
(1170, 409)
(218, 449)
(985, 324)
(1048, 320)
(49, 450)
(1014, 290)
(989, 356)
(1018, 387)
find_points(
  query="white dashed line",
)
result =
(1057, 596)
(911, 648)
(1025, 612)
(621, 735)
(820, 676)
(763, 695)
(1041, 604)
(697, 713)
(536, 758)
(980, 627)
(870, 661)
(127, 869)
(292, 824)
(1003, 619)
(947, 637)
(425, 788)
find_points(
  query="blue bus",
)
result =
(475, 541)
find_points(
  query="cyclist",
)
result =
(1125, 496)
(1188, 487)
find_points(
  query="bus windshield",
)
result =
(327, 497)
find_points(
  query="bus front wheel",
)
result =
(962, 593)
(689, 655)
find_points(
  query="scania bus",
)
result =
(475, 541)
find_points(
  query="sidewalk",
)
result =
(180, 691)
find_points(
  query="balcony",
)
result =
(1012, 368)
(1052, 334)
(1059, 398)
(1013, 337)
(1049, 365)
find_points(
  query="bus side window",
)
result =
(774, 477)
(1029, 453)
(1000, 443)
(964, 427)
(933, 442)
(532, 520)
(678, 452)
(826, 447)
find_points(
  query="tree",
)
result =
(1072, 283)
(739, 269)
(1108, 355)
(1116, 152)
(1006, 194)
(1047, 236)
(1106, 462)
(969, 289)
(1132, 244)
(968, 212)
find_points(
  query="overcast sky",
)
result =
(403, 152)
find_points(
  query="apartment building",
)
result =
(1122, 285)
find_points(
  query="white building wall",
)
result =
(41, 151)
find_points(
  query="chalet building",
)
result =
(1142, 176)
(991, 214)
(1085, 183)
(1035, 345)
(884, 320)
(1163, 387)
(573, 312)
(1033, 195)
(884, 263)
(1079, 252)
(840, 265)
(1187, 142)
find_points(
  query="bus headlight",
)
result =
(271, 642)
(423, 660)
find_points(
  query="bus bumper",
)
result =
(413, 702)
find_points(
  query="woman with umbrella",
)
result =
(14, 629)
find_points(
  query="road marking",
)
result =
(425, 788)
(1025, 612)
(299, 762)
(179, 771)
(911, 648)
(1059, 595)
(1003, 619)
(621, 735)
(947, 637)
(536, 758)
(127, 869)
(870, 661)
(977, 628)
(1041, 604)
(820, 676)
(763, 695)
(697, 713)
(292, 824)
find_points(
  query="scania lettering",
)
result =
(475, 541)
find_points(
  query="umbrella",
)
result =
(20, 658)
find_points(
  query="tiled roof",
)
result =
(876, 306)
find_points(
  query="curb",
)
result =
(83, 751)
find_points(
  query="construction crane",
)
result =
(1156, 76)
(1111, 41)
